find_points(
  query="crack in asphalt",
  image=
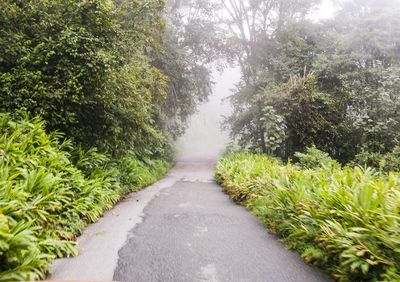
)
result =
(192, 231)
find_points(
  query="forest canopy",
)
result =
(330, 83)
(109, 74)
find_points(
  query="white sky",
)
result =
(326, 10)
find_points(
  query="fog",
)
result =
(325, 10)
(204, 138)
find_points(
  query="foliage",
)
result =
(274, 129)
(314, 158)
(190, 45)
(335, 83)
(345, 220)
(135, 174)
(289, 117)
(47, 196)
(20, 256)
(362, 68)
(251, 29)
(311, 116)
(115, 81)
(259, 126)
(84, 67)
(387, 162)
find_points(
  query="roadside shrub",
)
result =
(368, 159)
(345, 220)
(46, 199)
(134, 174)
(20, 256)
(233, 164)
(314, 158)
(392, 160)
(386, 162)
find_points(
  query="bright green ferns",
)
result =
(344, 219)
(46, 199)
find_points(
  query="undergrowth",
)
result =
(49, 191)
(345, 220)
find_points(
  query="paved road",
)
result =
(191, 231)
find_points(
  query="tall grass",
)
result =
(346, 220)
(48, 194)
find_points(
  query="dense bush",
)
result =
(345, 220)
(85, 68)
(50, 191)
(135, 173)
(387, 162)
(314, 158)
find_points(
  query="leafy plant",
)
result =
(86, 68)
(338, 80)
(46, 199)
(314, 158)
(387, 162)
(345, 220)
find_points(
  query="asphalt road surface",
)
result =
(183, 228)
(192, 232)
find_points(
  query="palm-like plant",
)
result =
(344, 219)
(46, 199)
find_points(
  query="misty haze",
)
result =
(200, 140)
(204, 137)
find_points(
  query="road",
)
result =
(183, 228)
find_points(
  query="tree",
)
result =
(190, 47)
(353, 106)
(361, 68)
(84, 66)
(252, 28)
(313, 118)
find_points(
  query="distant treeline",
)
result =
(331, 83)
